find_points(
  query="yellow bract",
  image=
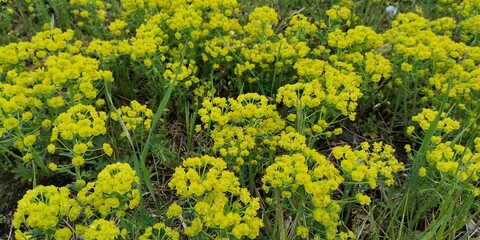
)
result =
(220, 201)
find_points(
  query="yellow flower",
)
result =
(84, 13)
(29, 140)
(202, 208)
(100, 102)
(447, 166)
(52, 166)
(347, 165)
(27, 157)
(302, 232)
(81, 183)
(174, 210)
(147, 234)
(363, 199)
(422, 172)
(406, 67)
(286, 194)
(331, 13)
(359, 174)
(27, 116)
(410, 130)
(337, 131)
(46, 123)
(63, 234)
(476, 192)
(43, 207)
(408, 148)
(55, 102)
(117, 26)
(80, 148)
(22, 235)
(195, 228)
(10, 123)
(51, 148)
(107, 148)
(240, 230)
(78, 161)
(117, 178)
(134, 116)
(147, 62)
(436, 139)
(102, 229)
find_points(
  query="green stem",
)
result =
(299, 210)
(34, 174)
(251, 176)
(77, 173)
(279, 210)
(419, 159)
(348, 189)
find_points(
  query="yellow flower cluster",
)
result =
(332, 91)
(217, 49)
(310, 69)
(448, 161)
(175, 22)
(427, 116)
(213, 199)
(134, 116)
(115, 191)
(241, 126)
(455, 160)
(437, 58)
(377, 67)
(369, 165)
(358, 39)
(79, 122)
(468, 8)
(48, 89)
(290, 140)
(260, 24)
(145, 47)
(363, 199)
(116, 27)
(41, 45)
(40, 86)
(162, 230)
(302, 232)
(49, 210)
(77, 72)
(90, 13)
(337, 12)
(180, 22)
(469, 29)
(45, 207)
(44, 77)
(445, 159)
(148, 8)
(102, 229)
(262, 48)
(443, 26)
(442, 157)
(184, 18)
(305, 170)
(281, 51)
(300, 27)
(78, 126)
(186, 73)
